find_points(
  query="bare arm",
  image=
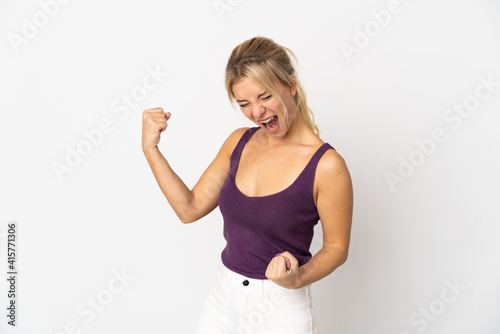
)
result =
(335, 204)
(189, 205)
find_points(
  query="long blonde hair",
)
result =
(264, 62)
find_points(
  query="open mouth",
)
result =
(271, 123)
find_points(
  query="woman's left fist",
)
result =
(284, 270)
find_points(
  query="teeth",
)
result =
(267, 121)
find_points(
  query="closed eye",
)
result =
(264, 98)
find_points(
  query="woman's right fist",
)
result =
(154, 122)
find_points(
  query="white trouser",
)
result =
(259, 307)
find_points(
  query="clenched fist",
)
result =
(154, 122)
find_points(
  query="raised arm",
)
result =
(189, 205)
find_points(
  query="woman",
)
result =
(272, 182)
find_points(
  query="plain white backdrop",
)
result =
(99, 250)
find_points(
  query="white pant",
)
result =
(259, 307)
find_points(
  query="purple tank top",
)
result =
(257, 228)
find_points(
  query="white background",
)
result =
(108, 214)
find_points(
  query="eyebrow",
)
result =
(257, 97)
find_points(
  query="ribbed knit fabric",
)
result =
(257, 228)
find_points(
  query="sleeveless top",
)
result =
(257, 228)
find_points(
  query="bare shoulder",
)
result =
(232, 140)
(332, 168)
(331, 162)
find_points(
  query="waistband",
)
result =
(254, 286)
(246, 285)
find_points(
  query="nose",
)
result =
(258, 110)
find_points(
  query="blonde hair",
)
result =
(265, 62)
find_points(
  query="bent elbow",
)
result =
(340, 255)
(188, 219)
(344, 258)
